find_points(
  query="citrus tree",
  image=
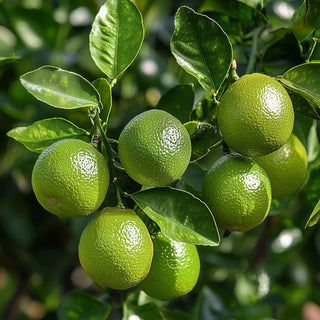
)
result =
(179, 159)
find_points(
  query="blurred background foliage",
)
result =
(271, 272)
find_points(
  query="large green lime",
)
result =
(115, 249)
(174, 271)
(255, 115)
(286, 167)
(154, 148)
(70, 178)
(238, 192)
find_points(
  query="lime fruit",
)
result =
(174, 271)
(115, 249)
(238, 192)
(255, 115)
(154, 148)
(286, 167)
(70, 178)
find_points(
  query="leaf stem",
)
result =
(110, 156)
(254, 50)
(311, 50)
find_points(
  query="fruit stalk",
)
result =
(98, 129)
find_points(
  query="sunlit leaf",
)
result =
(201, 48)
(179, 214)
(315, 216)
(304, 80)
(60, 88)
(116, 36)
(81, 305)
(43, 133)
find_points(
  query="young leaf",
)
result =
(315, 216)
(80, 305)
(178, 101)
(43, 133)
(60, 88)
(104, 89)
(304, 80)
(180, 215)
(201, 48)
(116, 36)
(204, 137)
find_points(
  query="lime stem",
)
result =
(110, 156)
(254, 51)
(311, 50)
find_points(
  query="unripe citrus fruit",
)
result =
(255, 115)
(238, 192)
(115, 249)
(174, 271)
(154, 148)
(70, 178)
(286, 167)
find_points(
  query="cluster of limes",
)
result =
(266, 161)
(71, 179)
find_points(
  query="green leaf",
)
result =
(116, 36)
(304, 80)
(313, 16)
(204, 137)
(315, 216)
(180, 215)
(104, 89)
(201, 48)
(303, 106)
(60, 88)
(80, 305)
(178, 101)
(43, 133)
(7, 60)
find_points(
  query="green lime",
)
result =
(154, 148)
(115, 249)
(286, 167)
(174, 271)
(70, 178)
(238, 192)
(255, 115)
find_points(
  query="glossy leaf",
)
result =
(315, 216)
(304, 79)
(104, 89)
(179, 214)
(60, 88)
(201, 48)
(178, 101)
(302, 106)
(80, 305)
(43, 133)
(116, 36)
(204, 137)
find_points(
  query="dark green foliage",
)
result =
(178, 59)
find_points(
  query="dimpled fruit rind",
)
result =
(255, 115)
(115, 249)
(70, 178)
(154, 148)
(286, 167)
(174, 271)
(238, 192)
